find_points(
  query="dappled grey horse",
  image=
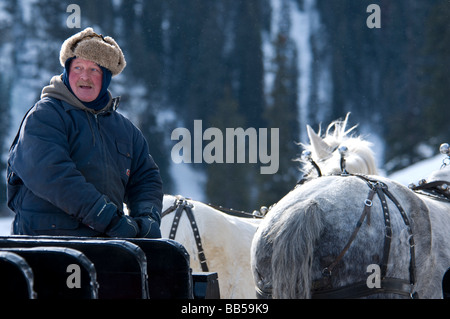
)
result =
(348, 234)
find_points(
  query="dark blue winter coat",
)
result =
(69, 165)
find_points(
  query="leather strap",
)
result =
(433, 189)
(182, 205)
(387, 230)
(198, 240)
(360, 289)
(391, 285)
(366, 211)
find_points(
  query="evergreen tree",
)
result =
(228, 184)
(403, 102)
(209, 68)
(282, 113)
(377, 73)
(185, 20)
(247, 60)
(436, 89)
(141, 85)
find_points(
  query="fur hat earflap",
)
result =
(91, 46)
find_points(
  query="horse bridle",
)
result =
(307, 157)
(322, 288)
(182, 205)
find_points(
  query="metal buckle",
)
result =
(326, 272)
(388, 232)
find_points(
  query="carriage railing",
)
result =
(131, 268)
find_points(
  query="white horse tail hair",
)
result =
(293, 250)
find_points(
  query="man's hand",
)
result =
(149, 228)
(123, 227)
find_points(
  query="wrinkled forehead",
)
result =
(85, 63)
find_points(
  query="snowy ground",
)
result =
(406, 176)
(418, 171)
(5, 226)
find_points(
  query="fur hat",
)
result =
(91, 46)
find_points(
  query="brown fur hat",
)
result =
(91, 46)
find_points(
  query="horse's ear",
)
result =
(321, 148)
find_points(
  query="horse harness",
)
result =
(439, 190)
(322, 288)
(181, 205)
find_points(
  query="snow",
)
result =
(418, 171)
(189, 182)
(5, 226)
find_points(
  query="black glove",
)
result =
(149, 228)
(122, 226)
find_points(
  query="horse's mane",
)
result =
(322, 148)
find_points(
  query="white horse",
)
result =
(226, 242)
(352, 235)
(359, 155)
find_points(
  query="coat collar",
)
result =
(58, 90)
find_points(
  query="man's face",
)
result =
(85, 79)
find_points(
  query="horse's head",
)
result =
(328, 151)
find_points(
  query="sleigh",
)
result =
(45, 267)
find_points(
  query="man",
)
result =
(76, 160)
